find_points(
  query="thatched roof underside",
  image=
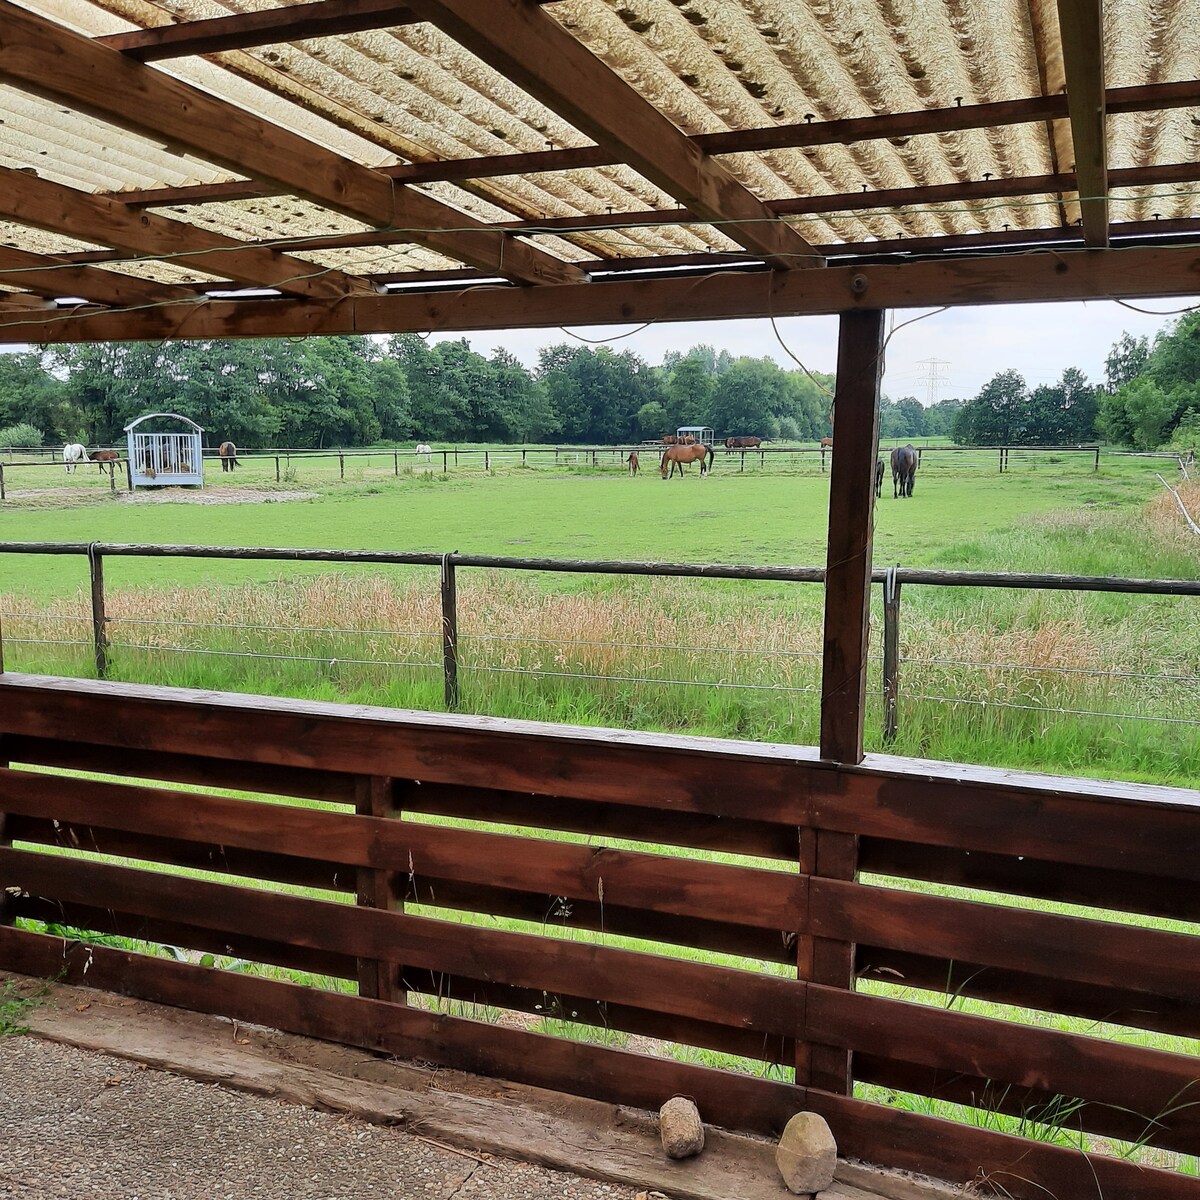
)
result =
(153, 152)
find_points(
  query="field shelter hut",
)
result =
(165, 450)
(211, 169)
(701, 433)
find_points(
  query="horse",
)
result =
(687, 440)
(677, 456)
(229, 458)
(904, 467)
(73, 454)
(632, 460)
(878, 478)
(743, 443)
(827, 443)
(424, 451)
(107, 458)
(670, 440)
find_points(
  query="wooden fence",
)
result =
(397, 856)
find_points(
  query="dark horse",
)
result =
(904, 467)
(878, 478)
(107, 458)
(678, 456)
(743, 443)
(229, 458)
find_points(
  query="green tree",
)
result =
(689, 391)
(597, 394)
(997, 416)
(1149, 410)
(524, 406)
(1125, 361)
(30, 394)
(1063, 413)
(747, 397)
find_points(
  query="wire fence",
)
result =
(431, 650)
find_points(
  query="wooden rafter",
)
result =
(44, 205)
(1147, 98)
(1083, 60)
(241, 31)
(50, 60)
(532, 50)
(49, 277)
(997, 279)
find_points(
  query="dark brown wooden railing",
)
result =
(396, 850)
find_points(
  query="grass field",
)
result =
(739, 659)
(716, 657)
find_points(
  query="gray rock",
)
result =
(680, 1128)
(807, 1154)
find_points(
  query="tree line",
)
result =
(355, 391)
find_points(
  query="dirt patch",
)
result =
(65, 497)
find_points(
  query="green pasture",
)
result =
(1070, 682)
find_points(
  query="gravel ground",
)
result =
(88, 1126)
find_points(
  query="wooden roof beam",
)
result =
(50, 60)
(36, 202)
(51, 278)
(538, 55)
(243, 31)
(1083, 61)
(1059, 274)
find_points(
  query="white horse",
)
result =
(424, 451)
(73, 455)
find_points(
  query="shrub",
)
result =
(22, 435)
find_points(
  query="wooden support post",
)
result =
(848, 567)
(891, 650)
(450, 631)
(1094, 468)
(445, 461)
(395, 462)
(522, 456)
(2, 495)
(99, 617)
(277, 468)
(341, 466)
(376, 796)
(743, 466)
(456, 456)
(487, 461)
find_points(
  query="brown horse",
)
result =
(827, 443)
(678, 456)
(743, 443)
(632, 460)
(669, 439)
(229, 458)
(107, 458)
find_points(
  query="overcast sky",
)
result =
(973, 344)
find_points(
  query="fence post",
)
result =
(99, 617)
(487, 461)
(2, 496)
(341, 466)
(449, 631)
(891, 650)
(1001, 460)
(1095, 467)
(377, 796)
(522, 456)
(396, 462)
(456, 456)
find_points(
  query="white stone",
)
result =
(807, 1154)
(680, 1128)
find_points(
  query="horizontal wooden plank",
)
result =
(1151, 1084)
(1056, 1111)
(1071, 821)
(691, 990)
(1115, 1005)
(559, 913)
(1125, 891)
(615, 1018)
(232, 775)
(321, 963)
(877, 1133)
(1148, 961)
(684, 887)
(686, 775)
(699, 831)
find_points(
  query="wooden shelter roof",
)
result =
(314, 158)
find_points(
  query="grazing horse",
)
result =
(677, 456)
(904, 467)
(827, 443)
(632, 460)
(878, 478)
(229, 458)
(107, 458)
(424, 451)
(670, 440)
(743, 443)
(73, 455)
